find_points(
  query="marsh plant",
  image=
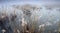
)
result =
(23, 19)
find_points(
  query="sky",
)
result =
(10, 2)
(4, 1)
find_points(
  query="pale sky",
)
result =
(8, 2)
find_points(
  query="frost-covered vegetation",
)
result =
(29, 19)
